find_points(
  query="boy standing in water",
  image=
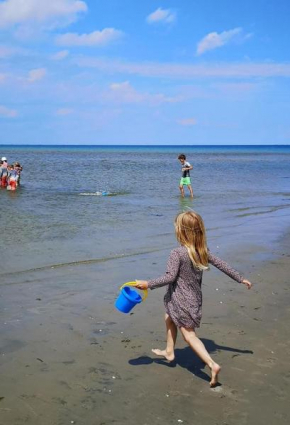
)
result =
(185, 177)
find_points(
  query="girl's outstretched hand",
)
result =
(247, 283)
(142, 284)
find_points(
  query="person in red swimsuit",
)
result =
(12, 178)
(3, 172)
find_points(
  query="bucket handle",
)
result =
(145, 291)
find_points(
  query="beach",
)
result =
(68, 356)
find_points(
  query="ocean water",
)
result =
(59, 217)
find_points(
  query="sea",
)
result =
(85, 204)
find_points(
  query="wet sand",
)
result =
(67, 356)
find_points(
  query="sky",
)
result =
(113, 72)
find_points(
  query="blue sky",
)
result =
(132, 72)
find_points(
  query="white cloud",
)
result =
(60, 55)
(185, 71)
(8, 113)
(161, 15)
(125, 93)
(9, 51)
(96, 38)
(36, 74)
(214, 40)
(64, 111)
(236, 88)
(187, 122)
(13, 12)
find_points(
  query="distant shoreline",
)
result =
(148, 146)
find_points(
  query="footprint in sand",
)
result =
(224, 391)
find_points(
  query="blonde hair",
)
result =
(190, 232)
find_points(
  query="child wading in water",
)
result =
(185, 176)
(183, 277)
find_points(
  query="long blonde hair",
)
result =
(190, 232)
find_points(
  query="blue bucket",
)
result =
(127, 299)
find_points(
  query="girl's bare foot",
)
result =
(163, 353)
(215, 369)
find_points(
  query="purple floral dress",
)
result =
(183, 299)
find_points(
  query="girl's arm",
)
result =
(228, 270)
(168, 278)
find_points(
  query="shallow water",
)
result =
(58, 216)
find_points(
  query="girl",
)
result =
(12, 178)
(183, 299)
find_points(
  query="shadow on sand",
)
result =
(186, 358)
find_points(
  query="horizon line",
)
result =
(146, 145)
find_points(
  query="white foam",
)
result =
(104, 193)
(91, 194)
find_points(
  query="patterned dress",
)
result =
(183, 299)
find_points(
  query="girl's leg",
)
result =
(197, 346)
(171, 334)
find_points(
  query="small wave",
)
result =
(90, 194)
(270, 210)
(85, 262)
(104, 193)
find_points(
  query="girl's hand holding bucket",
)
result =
(142, 284)
(128, 298)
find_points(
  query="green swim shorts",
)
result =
(185, 181)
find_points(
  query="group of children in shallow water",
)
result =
(9, 174)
